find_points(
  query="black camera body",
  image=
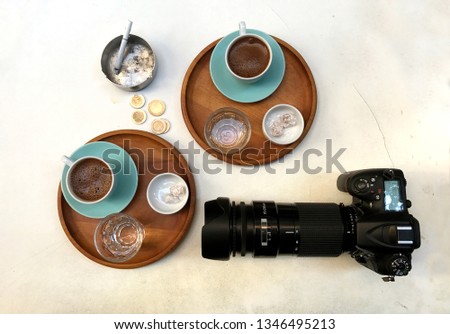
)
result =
(385, 233)
(376, 228)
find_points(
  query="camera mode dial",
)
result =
(400, 266)
(361, 185)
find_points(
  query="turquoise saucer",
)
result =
(240, 91)
(126, 177)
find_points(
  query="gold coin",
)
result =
(139, 116)
(160, 126)
(156, 107)
(167, 125)
(137, 101)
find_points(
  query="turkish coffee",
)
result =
(91, 179)
(248, 57)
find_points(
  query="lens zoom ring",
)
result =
(321, 229)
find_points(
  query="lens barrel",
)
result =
(265, 228)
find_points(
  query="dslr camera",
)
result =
(376, 229)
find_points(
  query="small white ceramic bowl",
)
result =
(167, 193)
(288, 134)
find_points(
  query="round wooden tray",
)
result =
(200, 97)
(152, 155)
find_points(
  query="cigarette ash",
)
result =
(137, 66)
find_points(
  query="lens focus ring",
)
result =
(265, 229)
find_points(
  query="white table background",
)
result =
(382, 70)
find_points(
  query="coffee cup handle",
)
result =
(67, 161)
(242, 28)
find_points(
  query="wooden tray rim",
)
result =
(182, 232)
(286, 148)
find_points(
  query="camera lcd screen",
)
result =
(393, 200)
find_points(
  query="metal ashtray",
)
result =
(138, 65)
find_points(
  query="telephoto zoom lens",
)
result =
(268, 229)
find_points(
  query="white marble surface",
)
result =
(382, 70)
